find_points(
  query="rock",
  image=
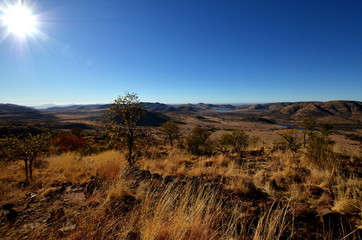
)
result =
(8, 206)
(133, 236)
(30, 196)
(314, 191)
(11, 214)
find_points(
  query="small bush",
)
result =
(198, 142)
(319, 150)
(237, 141)
(69, 143)
(288, 142)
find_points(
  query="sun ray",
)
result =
(18, 20)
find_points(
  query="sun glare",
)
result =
(19, 21)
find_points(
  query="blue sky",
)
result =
(185, 51)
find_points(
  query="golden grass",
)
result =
(185, 210)
(348, 196)
(274, 223)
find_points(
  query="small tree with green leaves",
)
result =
(27, 149)
(124, 114)
(171, 131)
(198, 142)
(237, 140)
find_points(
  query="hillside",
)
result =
(346, 112)
(349, 110)
(11, 112)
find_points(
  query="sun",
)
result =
(19, 21)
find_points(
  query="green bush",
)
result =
(319, 146)
(237, 141)
(198, 142)
(288, 142)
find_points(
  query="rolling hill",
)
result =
(335, 111)
(12, 112)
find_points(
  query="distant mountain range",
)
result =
(350, 110)
(347, 110)
(11, 112)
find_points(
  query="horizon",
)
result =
(50, 105)
(176, 52)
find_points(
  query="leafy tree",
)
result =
(326, 128)
(198, 142)
(171, 131)
(237, 140)
(7, 149)
(124, 114)
(27, 149)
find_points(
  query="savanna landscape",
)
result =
(133, 170)
(180, 120)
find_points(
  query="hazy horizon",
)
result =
(49, 105)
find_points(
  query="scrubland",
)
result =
(261, 193)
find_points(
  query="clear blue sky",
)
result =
(181, 51)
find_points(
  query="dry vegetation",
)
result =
(171, 194)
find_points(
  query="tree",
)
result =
(320, 146)
(309, 124)
(171, 131)
(289, 141)
(124, 114)
(27, 149)
(238, 141)
(198, 142)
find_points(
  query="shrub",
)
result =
(198, 142)
(237, 140)
(319, 146)
(288, 142)
(68, 143)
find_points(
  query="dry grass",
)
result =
(274, 223)
(348, 196)
(230, 199)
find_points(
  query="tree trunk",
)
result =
(26, 170)
(31, 167)
(130, 148)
